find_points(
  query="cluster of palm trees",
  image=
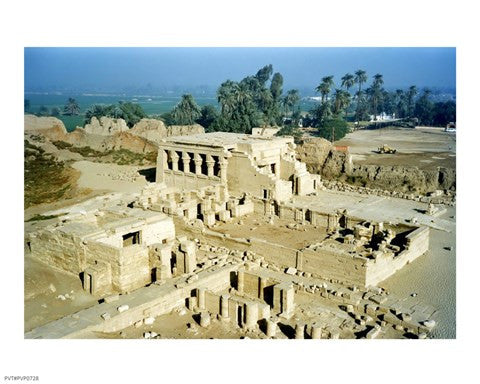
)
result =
(342, 97)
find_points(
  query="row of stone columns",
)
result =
(198, 160)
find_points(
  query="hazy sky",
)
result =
(113, 69)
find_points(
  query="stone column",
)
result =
(261, 286)
(251, 315)
(174, 157)
(204, 319)
(160, 166)
(223, 169)
(299, 330)
(190, 259)
(186, 162)
(210, 162)
(201, 298)
(192, 303)
(240, 280)
(316, 331)
(224, 307)
(271, 328)
(198, 164)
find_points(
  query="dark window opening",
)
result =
(192, 163)
(131, 238)
(308, 215)
(199, 211)
(273, 167)
(180, 162)
(216, 166)
(265, 193)
(204, 164)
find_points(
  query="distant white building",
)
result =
(383, 117)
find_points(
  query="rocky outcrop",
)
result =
(319, 157)
(106, 126)
(50, 127)
(403, 179)
(151, 129)
(322, 159)
(119, 140)
(155, 130)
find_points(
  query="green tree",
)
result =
(411, 93)
(208, 114)
(444, 113)
(425, 109)
(186, 111)
(375, 94)
(324, 87)
(360, 78)
(333, 129)
(130, 112)
(276, 86)
(97, 110)
(264, 74)
(341, 101)
(348, 81)
(401, 107)
(71, 108)
(290, 100)
(225, 97)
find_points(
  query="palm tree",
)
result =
(348, 81)
(360, 78)
(375, 93)
(341, 101)
(291, 99)
(378, 80)
(324, 87)
(71, 108)
(225, 96)
(411, 93)
(186, 111)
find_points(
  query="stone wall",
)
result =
(243, 177)
(58, 250)
(417, 244)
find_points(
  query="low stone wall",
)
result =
(335, 265)
(382, 268)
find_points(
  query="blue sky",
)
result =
(113, 69)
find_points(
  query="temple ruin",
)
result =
(222, 233)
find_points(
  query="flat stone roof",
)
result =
(222, 139)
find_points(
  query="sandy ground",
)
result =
(257, 227)
(43, 286)
(424, 148)
(433, 278)
(109, 177)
